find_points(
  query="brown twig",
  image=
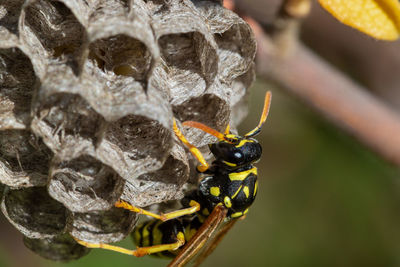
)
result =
(347, 104)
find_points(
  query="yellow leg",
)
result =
(194, 207)
(194, 150)
(140, 251)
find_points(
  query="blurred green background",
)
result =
(324, 200)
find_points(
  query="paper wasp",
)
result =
(226, 191)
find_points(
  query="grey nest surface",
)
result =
(88, 93)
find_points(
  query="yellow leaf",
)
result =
(377, 18)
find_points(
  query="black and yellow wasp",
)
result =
(225, 193)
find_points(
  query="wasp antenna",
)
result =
(264, 115)
(227, 129)
(205, 128)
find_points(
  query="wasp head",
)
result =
(236, 151)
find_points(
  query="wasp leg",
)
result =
(194, 150)
(194, 207)
(140, 251)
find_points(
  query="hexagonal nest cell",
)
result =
(59, 248)
(24, 159)
(88, 94)
(85, 184)
(17, 85)
(57, 29)
(102, 226)
(122, 55)
(33, 212)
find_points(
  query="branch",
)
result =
(345, 103)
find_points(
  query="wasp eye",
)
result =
(238, 155)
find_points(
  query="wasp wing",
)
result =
(206, 230)
(215, 242)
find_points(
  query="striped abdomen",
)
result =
(156, 232)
